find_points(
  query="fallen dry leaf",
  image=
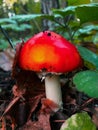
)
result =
(6, 59)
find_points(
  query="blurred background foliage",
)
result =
(18, 30)
(76, 20)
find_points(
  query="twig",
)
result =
(9, 106)
(59, 121)
(87, 102)
(3, 124)
(7, 37)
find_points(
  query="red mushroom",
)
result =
(48, 52)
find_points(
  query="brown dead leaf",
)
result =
(48, 106)
(43, 122)
(43, 113)
(17, 92)
(29, 81)
(6, 59)
(21, 111)
(34, 104)
(10, 106)
(30, 126)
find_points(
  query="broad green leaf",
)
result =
(88, 33)
(88, 57)
(87, 13)
(7, 20)
(77, 2)
(84, 13)
(78, 121)
(25, 18)
(17, 27)
(87, 29)
(66, 11)
(87, 82)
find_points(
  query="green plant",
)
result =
(78, 121)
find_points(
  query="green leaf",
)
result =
(88, 57)
(7, 20)
(28, 17)
(84, 13)
(78, 2)
(87, 82)
(24, 17)
(66, 11)
(87, 29)
(78, 121)
(87, 13)
(17, 27)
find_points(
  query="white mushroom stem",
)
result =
(53, 90)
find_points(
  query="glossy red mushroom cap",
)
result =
(50, 52)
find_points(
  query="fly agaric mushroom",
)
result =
(48, 52)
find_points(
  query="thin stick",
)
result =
(87, 102)
(7, 37)
(59, 121)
